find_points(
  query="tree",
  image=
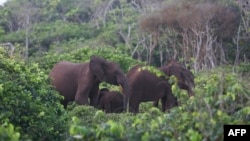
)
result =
(201, 28)
(23, 12)
(243, 36)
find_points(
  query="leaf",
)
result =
(145, 136)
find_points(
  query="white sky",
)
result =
(2, 1)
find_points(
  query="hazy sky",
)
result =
(2, 1)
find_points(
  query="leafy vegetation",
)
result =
(198, 117)
(83, 55)
(29, 102)
(8, 133)
(129, 32)
(134, 27)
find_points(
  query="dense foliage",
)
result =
(221, 98)
(8, 133)
(151, 31)
(215, 46)
(29, 102)
(84, 54)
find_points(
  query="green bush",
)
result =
(8, 132)
(44, 34)
(29, 102)
(84, 54)
(220, 98)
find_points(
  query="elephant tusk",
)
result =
(120, 88)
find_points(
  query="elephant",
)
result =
(184, 76)
(110, 101)
(79, 82)
(146, 86)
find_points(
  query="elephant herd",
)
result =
(79, 82)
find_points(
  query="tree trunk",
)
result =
(27, 38)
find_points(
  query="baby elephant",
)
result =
(110, 101)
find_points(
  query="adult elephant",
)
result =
(80, 81)
(110, 101)
(146, 86)
(184, 76)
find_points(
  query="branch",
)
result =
(105, 11)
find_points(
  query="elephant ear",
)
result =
(96, 66)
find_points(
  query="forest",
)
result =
(211, 38)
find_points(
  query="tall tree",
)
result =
(23, 12)
(242, 40)
(201, 29)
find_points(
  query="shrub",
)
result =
(84, 54)
(221, 97)
(8, 132)
(29, 102)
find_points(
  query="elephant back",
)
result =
(133, 70)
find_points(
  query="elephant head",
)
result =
(108, 72)
(110, 101)
(185, 76)
(101, 93)
(80, 81)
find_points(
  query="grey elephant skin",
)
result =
(184, 76)
(146, 86)
(79, 82)
(110, 101)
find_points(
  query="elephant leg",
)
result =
(156, 103)
(164, 103)
(168, 100)
(108, 107)
(64, 103)
(101, 104)
(134, 107)
(81, 97)
(93, 96)
(172, 102)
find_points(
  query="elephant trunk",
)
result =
(191, 92)
(125, 91)
(191, 89)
